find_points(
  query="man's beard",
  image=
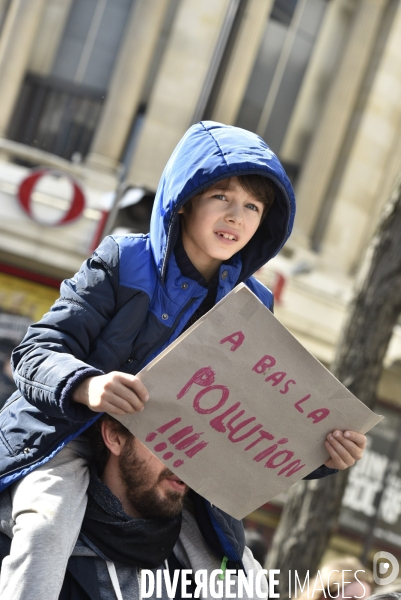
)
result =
(148, 501)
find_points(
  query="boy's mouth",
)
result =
(227, 236)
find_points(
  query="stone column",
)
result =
(320, 163)
(370, 166)
(127, 82)
(16, 41)
(320, 72)
(174, 98)
(388, 176)
(241, 61)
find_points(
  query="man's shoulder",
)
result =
(261, 291)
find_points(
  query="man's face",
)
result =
(221, 222)
(151, 488)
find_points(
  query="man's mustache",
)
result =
(165, 473)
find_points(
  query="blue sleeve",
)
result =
(50, 361)
(320, 472)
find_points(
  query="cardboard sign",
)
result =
(238, 409)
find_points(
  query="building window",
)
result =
(283, 11)
(4, 7)
(286, 47)
(91, 40)
(59, 112)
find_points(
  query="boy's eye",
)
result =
(253, 207)
(220, 196)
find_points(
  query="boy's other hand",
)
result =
(116, 393)
(344, 449)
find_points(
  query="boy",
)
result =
(223, 208)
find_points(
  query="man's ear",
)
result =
(112, 437)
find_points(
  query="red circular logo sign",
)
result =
(27, 186)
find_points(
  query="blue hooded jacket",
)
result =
(130, 300)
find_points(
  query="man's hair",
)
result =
(101, 453)
(262, 188)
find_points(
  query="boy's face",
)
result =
(221, 222)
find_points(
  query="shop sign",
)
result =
(27, 188)
(374, 480)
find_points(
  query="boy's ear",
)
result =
(181, 210)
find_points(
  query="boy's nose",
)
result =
(234, 213)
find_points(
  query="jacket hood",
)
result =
(209, 152)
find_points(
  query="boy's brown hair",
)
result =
(260, 187)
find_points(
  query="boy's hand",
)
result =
(116, 393)
(344, 449)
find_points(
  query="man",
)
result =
(140, 516)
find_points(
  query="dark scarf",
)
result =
(144, 543)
